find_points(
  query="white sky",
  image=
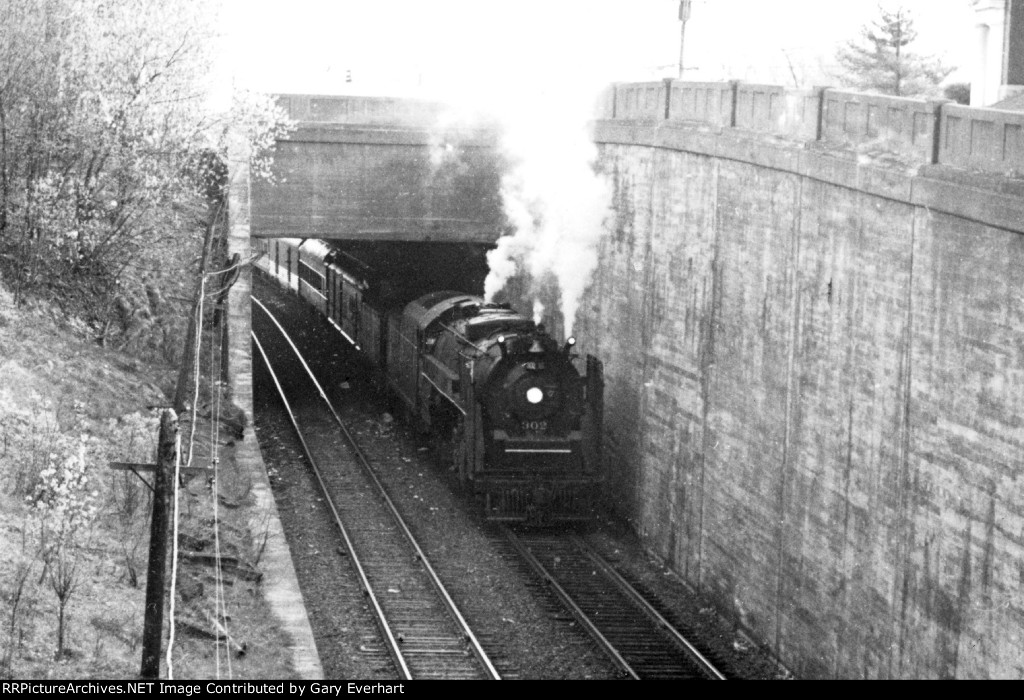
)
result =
(537, 64)
(483, 47)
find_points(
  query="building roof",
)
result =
(1014, 102)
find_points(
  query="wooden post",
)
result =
(163, 481)
(227, 281)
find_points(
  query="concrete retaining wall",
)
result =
(920, 131)
(813, 407)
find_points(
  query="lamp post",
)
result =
(684, 14)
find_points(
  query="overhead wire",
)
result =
(191, 444)
(220, 611)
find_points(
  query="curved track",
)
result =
(426, 635)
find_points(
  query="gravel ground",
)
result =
(531, 636)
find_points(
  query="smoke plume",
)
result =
(555, 203)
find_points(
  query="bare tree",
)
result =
(63, 579)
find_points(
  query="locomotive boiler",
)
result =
(504, 402)
(521, 420)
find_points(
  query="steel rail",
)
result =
(392, 641)
(634, 595)
(449, 602)
(568, 601)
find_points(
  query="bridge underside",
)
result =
(382, 183)
(399, 271)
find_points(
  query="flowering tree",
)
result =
(882, 62)
(108, 149)
(64, 507)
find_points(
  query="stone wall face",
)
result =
(813, 410)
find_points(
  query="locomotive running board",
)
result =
(347, 336)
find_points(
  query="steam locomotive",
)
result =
(522, 425)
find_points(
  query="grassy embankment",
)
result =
(74, 532)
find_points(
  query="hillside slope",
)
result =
(69, 525)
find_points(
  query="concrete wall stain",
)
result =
(810, 387)
(812, 411)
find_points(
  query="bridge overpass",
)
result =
(380, 169)
(811, 315)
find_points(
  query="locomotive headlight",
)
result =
(534, 395)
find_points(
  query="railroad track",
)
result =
(425, 633)
(639, 640)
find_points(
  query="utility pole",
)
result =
(163, 483)
(684, 15)
(187, 371)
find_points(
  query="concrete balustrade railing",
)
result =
(987, 139)
(900, 125)
(922, 131)
(782, 112)
(641, 100)
(708, 103)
